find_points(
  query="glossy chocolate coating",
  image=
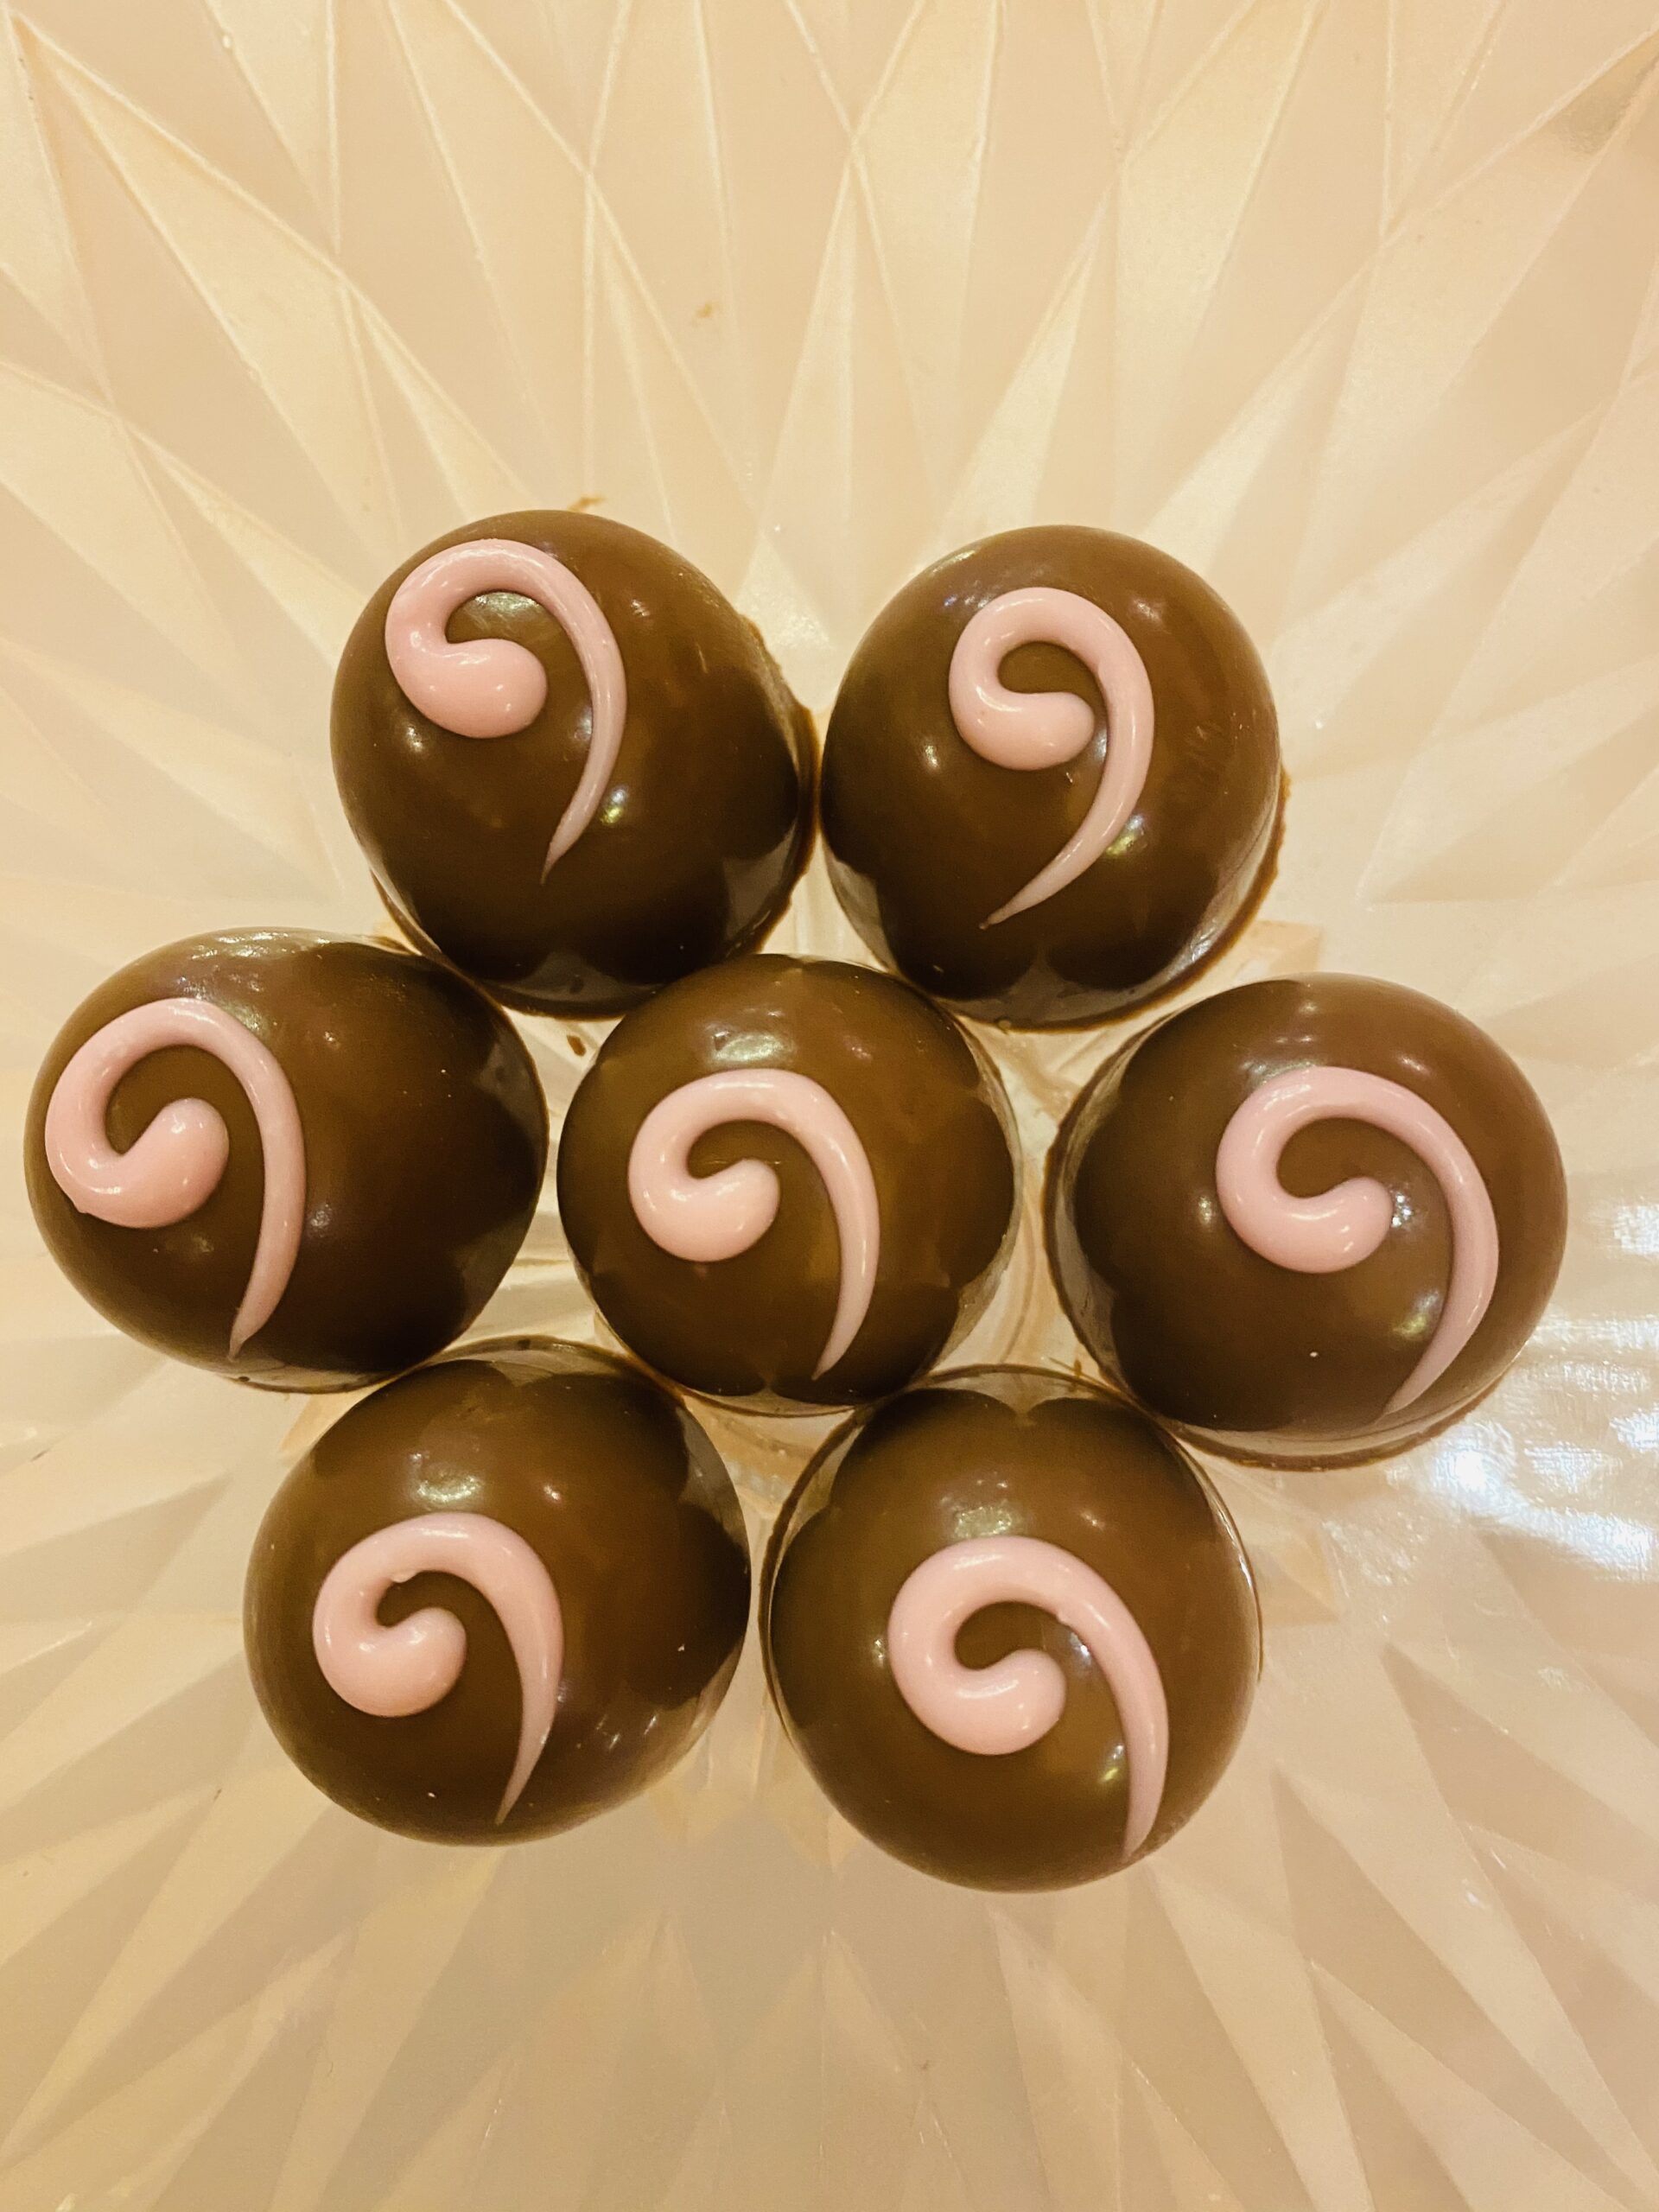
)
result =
(933, 1118)
(1258, 1360)
(425, 1142)
(627, 1505)
(692, 852)
(1006, 1451)
(925, 839)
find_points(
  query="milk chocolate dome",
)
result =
(501, 1595)
(303, 1161)
(789, 1183)
(1051, 780)
(572, 764)
(1308, 1220)
(1010, 1629)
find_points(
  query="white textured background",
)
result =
(1352, 304)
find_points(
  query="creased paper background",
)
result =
(1352, 304)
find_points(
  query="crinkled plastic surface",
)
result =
(1352, 306)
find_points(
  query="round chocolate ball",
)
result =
(1308, 1221)
(1052, 780)
(502, 1594)
(1010, 1629)
(303, 1161)
(789, 1183)
(574, 768)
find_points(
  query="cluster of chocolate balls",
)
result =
(1005, 1617)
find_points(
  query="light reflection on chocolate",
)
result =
(1276, 1362)
(958, 800)
(537, 1459)
(565, 879)
(919, 1209)
(411, 1181)
(984, 1459)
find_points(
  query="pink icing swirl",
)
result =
(176, 1165)
(494, 687)
(393, 1672)
(1345, 1225)
(1000, 1708)
(1040, 729)
(716, 1217)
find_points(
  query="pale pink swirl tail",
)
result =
(716, 1217)
(1345, 1225)
(393, 1672)
(494, 687)
(1040, 729)
(176, 1165)
(1002, 1708)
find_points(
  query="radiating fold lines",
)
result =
(855, 168)
(1357, 1934)
(730, 291)
(323, 271)
(1582, 175)
(502, 323)
(114, 2085)
(74, 77)
(1608, 66)
(600, 206)
(246, 1838)
(1148, 126)
(1058, 329)
(262, 94)
(238, 528)
(1268, 134)
(39, 413)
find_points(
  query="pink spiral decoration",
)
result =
(1040, 729)
(716, 1217)
(1000, 1708)
(494, 687)
(393, 1672)
(1345, 1225)
(176, 1165)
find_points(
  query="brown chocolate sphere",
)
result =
(303, 1161)
(961, 778)
(470, 1491)
(789, 1183)
(1308, 1221)
(1009, 1477)
(639, 723)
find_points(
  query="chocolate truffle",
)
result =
(789, 1183)
(1309, 1220)
(502, 1594)
(573, 765)
(1050, 781)
(1010, 1629)
(304, 1161)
